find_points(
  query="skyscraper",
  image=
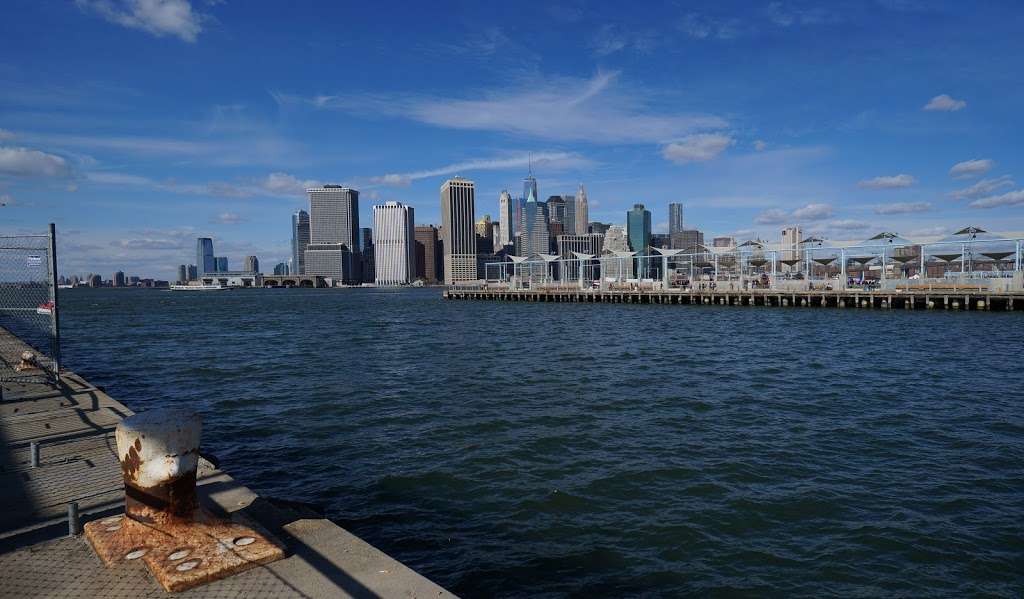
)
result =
(300, 240)
(220, 264)
(427, 255)
(507, 218)
(459, 235)
(556, 210)
(281, 269)
(333, 233)
(675, 218)
(569, 222)
(252, 264)
(204, 255)
(536, 232)
(182, 274)
(366, 254)
(638, 228)
(118, 279)
(193, 272)
(582, 212)
(393, 246)
(334, 216)
(638, 232)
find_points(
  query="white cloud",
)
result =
(159, 17)
(772, 216)
(945, 103)
(813, 212)
(893, 182)
(785, 14)
(697, 148)
(24, 162)
(562, 108)
(846, 225)
(227, 218)
(971, 168)
(1011, 198)
(285, 184)
(903, 208)
(273, 185)
(760, 145)
(6, 200)
(982, 187)
(6, 135)
(550, 160)
(807, 213)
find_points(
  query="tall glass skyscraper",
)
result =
(300, 240)
(204, 256)
(638, 232)
(507, 218)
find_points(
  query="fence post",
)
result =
(55, 311)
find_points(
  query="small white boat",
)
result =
(45, 309)
(199, 288)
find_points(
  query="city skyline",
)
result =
(712, 105)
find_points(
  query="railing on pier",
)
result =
(28, 307)
(995, 263)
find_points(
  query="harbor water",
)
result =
(521, 449)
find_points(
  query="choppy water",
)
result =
(510, 449)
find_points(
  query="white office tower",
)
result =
(582, 212)
(458, 224)
(507, 218)
(394, 235)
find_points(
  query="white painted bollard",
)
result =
(159, 452)
(981, 304)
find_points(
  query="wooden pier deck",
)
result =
(964, 298)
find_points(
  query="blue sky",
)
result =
(138, 125)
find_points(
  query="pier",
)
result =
(59, 469)
(909, 298)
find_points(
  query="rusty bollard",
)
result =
(164, 524)
(159, 452)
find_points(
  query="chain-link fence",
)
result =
(28, 310)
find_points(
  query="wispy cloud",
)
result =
(699, 147)
(902, 208)
(227, 218)
(598, 112)
(612, 38)
(25, 162)
(702, 27)
(549, 160)
(982, 187)
(281, 185)
(891, 182)
(971, 168)
(1011, 198)
(158, 17)
(807, 213)
(788, 14)
(944, 103)
(6, 135)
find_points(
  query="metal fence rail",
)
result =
(28, 307)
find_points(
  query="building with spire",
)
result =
(535, 226)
